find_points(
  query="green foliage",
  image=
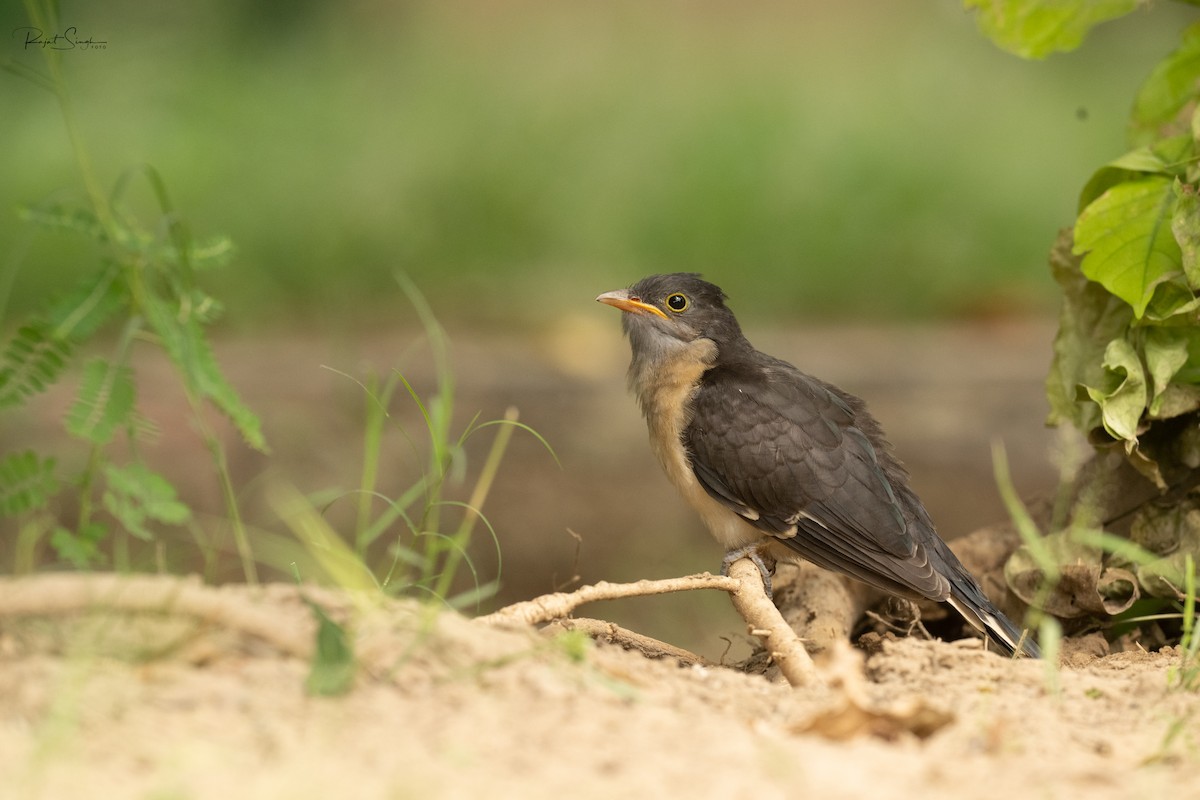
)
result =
(333, 666)
(1187, 676)
(1037, 28)
(105, 402)
(1125, 236)
(26, 482)
(1127, 354)
(1126, 368)
(80, 547)
(1166, 93)
(178, 325)
(142, 278)
(424, 553)
(33, 360)
(135, 495)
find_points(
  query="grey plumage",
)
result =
(767, 453)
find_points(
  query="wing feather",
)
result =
(795, 458)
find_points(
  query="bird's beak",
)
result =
(621, 299)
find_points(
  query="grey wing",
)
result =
(793, 457)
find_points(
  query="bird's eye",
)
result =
(677, 303)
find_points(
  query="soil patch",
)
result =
(198, 692)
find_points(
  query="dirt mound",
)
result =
(157, 687)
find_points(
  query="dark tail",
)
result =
(979, 611)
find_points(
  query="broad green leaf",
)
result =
(1190, 372)
(135, 495)
(1090, 318)
(33, 361)
(1126, 240)
(1122, 395)
(183, 339)
(1166, 351)
(1173, 304)
(333, 665)
(1037, 28)
(1171, 87)
(105, 402)
(1129, 167)
(26, 482)
(1185, 225)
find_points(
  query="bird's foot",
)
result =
(762, 559)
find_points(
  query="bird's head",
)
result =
(664, 312)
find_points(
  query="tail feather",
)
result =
(990, 620)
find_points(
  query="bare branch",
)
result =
(765, 622)
(745, 588)
(613, 633)
(560, 604)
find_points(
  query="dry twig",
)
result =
(745, 588)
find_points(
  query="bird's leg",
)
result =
(758, 554)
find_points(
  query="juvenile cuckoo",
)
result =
(779, 463)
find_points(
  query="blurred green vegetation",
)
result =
(817, 159)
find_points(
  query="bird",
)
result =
(780, 464)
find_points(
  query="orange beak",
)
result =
(621, 299)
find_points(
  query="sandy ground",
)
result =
(200, 694)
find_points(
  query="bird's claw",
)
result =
(761, 559)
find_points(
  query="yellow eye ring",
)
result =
(677, 303)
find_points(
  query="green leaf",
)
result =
(1171, 87)
(1037, 28)
(205, 307)
(333, 665)
(1173, 304)
(1122, 395)
(135, 495)
(1090, 318)
(183, 339)
(105, 402)
(81, 549)
(63, 218)
(1185, 225)
(1131, 166)
(1126, 236)
(33, 361)
(26, 482)
(1166, 351)
(82, 311)
(210, 253)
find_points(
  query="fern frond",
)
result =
(184, 341)
(32, 361)
(105, 402)
(209, 253)
(63, 218)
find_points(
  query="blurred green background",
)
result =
(859, 158)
